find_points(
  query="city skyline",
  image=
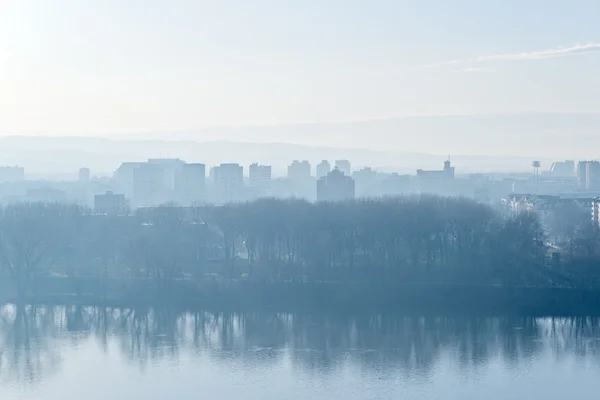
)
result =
(173, 181)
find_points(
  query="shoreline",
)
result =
(337, 298)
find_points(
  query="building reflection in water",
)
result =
(32, 339)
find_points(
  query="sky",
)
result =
(113, 67)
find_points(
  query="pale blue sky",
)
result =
(122, 66)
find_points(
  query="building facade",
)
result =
(228, 182)
(84, 175)
(365, 181)
(344, 167)
(336, 186)
(260, 180)
(191, 186)
(150, 186)
(588, 175)
(298, 170)
(110, 203)
(323, 168)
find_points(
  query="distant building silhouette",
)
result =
(172, 173)
(298, 170)
(110, 203)
(150, 185)
(562, 169)
(366, 182)
(582, 174)
(323, 168)
(161, 180)
(436, 181)
(299, 180)
(123, 177)
(229, 182)
(344, 167)
(444, 175)
(84, 175)
(46, 194)
(394, 184)
(336, 186)
(588, 175)
(544, 205)
(191, 186)
(593, 175)
(259, 180)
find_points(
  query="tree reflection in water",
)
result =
(31, 339)
(27, 350)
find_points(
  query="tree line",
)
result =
(425, 239)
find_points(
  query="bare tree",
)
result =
(33, 235)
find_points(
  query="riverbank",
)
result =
(405, 298)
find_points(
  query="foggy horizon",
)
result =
(146, 67)
(509, 135)
(266, 200)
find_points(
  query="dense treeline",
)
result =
(428, 237)
(421, 239)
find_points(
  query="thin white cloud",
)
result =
(476, 69)
(532, 55)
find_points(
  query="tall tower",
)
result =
(323, 168)
(448, 169)
(536, 174)
(344, 167)
(84, 175)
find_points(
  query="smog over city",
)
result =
(299, 200)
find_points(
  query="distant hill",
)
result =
(475, 143)
(529, 135)
(53, 156)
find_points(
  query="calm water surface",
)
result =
(66, 353)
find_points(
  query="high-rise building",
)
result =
(150, 187)
(300, 182)
(84, 175)
(259, 180)
(395, 184)
(588, 175)
(344, 167)
(336, 186)
(366, 182)
(562, 169)
(123, 177)
(323, 168)
(581, 174)
(191, 186)
(138, 181)
(299, 170)
(229, 182)
(448, 169)
(172, 170)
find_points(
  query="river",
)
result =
(72, 353)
